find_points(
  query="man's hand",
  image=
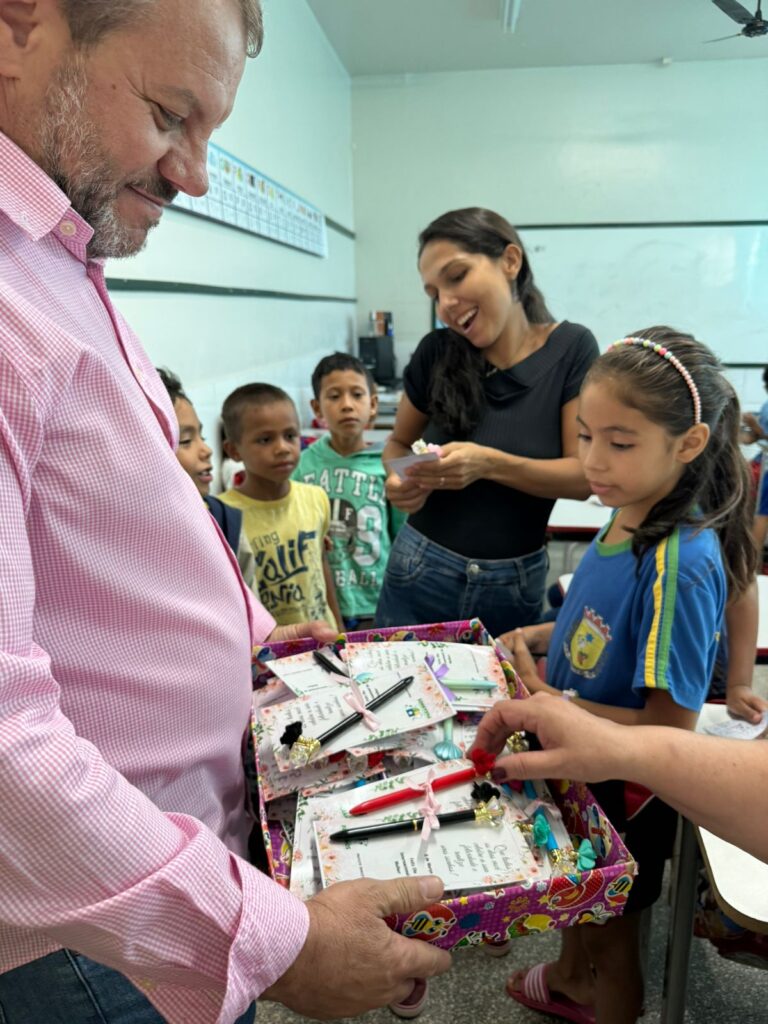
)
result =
(352, 961)
(317, 630)
(576, 744)
(405, 494)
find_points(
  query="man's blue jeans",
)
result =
(67, 988)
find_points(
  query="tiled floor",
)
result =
(719, 992)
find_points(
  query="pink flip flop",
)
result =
(535, 995)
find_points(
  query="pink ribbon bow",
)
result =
(355, 700)
(430, 807)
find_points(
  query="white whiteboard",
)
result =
(709, 280)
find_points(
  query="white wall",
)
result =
(547, 146)
(292, 121)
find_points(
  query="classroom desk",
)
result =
(739, 882)
(577, 520)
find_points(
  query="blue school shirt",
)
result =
(621, 632)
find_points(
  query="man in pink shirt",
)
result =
(125, 627)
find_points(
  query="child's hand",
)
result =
(460, 465)
(536, 637)
(522, 661)
(317, 630)
(744, 703)
(405, 494)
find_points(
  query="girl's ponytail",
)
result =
(713, 490)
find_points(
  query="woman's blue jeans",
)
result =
(67, 988)
(425, 582)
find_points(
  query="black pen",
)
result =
(484, 814)
(305, 747)
(325, 662)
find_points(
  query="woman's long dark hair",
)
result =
(713, 490)
(456, 392)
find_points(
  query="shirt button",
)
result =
(67, 228)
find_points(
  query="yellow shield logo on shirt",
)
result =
(587, 643)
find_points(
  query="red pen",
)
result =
(399, 795)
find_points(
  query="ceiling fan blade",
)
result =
(723, 38)
(734, 10)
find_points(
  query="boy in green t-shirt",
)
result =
(352, 474)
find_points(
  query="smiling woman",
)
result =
(497, 390)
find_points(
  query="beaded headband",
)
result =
(660, 350)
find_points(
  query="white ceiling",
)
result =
(383, 37)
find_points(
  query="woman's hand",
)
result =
(576, 745)
(405, 494)
(743, 702)
(460, 464)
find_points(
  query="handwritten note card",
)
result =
(419, 705)
(303, 675)
(466, 855)
(462, 662)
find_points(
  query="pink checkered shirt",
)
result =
(125, 636)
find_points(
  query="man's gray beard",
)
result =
(69, 137)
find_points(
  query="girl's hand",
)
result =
(744, 703)
(404, 494)
(522, 661)
(460, 464)
(536, 637)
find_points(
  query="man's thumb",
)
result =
(402, 895)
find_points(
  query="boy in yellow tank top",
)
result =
(285, 522)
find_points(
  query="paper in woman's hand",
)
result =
(400, 465)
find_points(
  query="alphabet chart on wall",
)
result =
(244, 198)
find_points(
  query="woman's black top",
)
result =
(522, 417)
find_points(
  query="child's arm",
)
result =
(741, 617)
(330, 588)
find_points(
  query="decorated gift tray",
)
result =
(497, 914)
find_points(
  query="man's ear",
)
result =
(693, 443)
(231, 451)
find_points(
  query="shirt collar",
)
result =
(34, 202)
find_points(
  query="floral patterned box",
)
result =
(498, 914)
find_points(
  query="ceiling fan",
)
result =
(754, 24)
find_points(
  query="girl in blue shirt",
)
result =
(635, 640)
